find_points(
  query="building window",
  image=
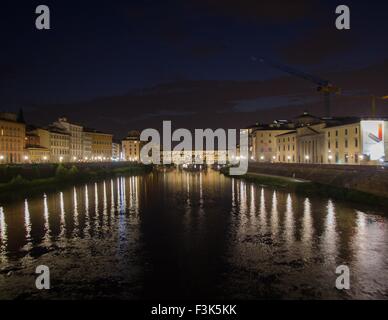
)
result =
(336, 133)
(346, 132)
(356, 142)
(328, 134)
(336, 144)
(346, 143)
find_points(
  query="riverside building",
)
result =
(12, 138)
(314, 140)
(76, 134)
(101, 145)
(131, 146)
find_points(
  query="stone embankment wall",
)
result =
(370, 179)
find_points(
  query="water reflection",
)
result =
(330, 235)
(27, 221)
(307, 231)
(3, 237)
(86, 212)
(214, 220)
(289, 221)
(62, 213)
(274, 215)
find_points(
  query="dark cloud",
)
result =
(158, 21)
(228, 104)
(318, 45)
(274, 11)
(207, 50)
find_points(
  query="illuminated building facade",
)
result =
(325, 141)
(76, 134)
(131, 146)
(12, 138)
(101, 144)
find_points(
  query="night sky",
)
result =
(122, 65)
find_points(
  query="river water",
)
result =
(190, 235)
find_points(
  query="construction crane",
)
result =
(324, 86)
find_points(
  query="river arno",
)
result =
(190, 235)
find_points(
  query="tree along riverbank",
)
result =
(34, 179)
(312, 188)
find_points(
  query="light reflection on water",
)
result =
(204, 234)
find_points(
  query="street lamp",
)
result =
(60, 159)
(307, 157)
(1, 157)
(26, 158)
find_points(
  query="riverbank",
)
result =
(54, 177)
(312, 188)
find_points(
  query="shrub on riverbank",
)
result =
(62, 176)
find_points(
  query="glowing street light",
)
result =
(26, 158)
(261, 157)
(1, 157)
(330, 157)
(60, 159)
(307, 157)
